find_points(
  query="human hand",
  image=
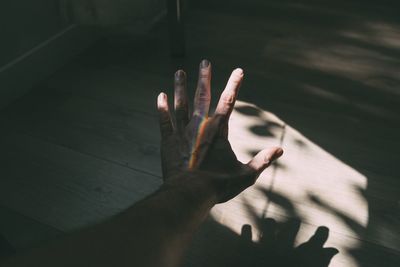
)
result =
(197, 145)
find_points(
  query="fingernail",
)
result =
(162, 96)
(179, 74)
(278, 153)
(239, 71)
(204, 63)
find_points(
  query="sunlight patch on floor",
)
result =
(307, 183)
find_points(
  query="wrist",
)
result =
(194, 187)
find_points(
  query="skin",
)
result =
(199, 171)
(185, 152)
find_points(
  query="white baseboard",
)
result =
(19, 75)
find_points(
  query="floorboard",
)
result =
(63, 188)
(321, 80)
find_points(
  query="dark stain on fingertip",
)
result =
(204, 63)
(179, 74)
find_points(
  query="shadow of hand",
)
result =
(276, 246)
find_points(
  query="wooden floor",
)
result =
(321, 79)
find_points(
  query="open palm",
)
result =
(197, 146)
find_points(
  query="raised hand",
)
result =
(196, 146)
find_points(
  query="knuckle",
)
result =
(180, 103)
(164, 118)
(204, 74)
(163, 107)
(228, 98)
(236, 79)
(165, 124)
(204, 95)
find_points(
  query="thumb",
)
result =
(264, 158)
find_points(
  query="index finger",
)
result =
(228, 96)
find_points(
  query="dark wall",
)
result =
(25, 24)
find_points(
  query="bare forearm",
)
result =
(199, 170)
(153, 232)
(169, 219)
